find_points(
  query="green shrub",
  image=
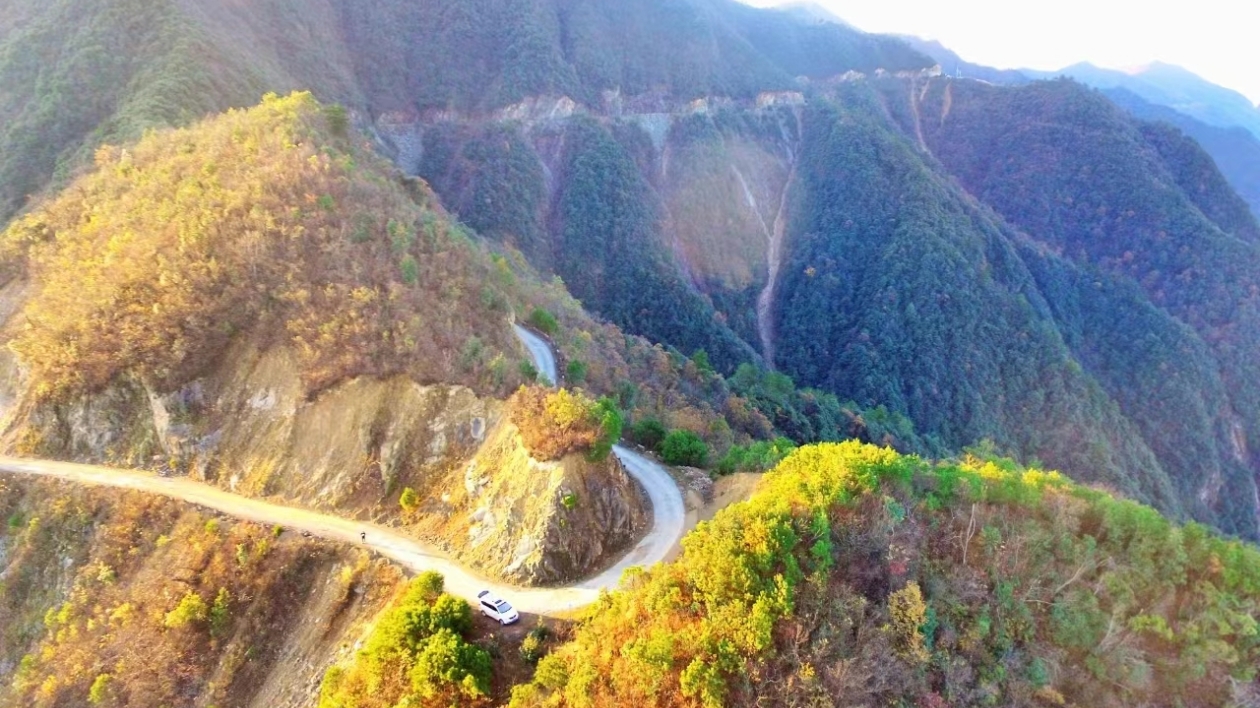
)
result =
(552, 673)
(190, 610)
(760, 456)
(220, 613)
(683, 447)
(410, 269)
(101, 690)
(701, 360)
(427, 585)
(532, 646)
(528, 371)
(611, 423)
(575, 372)
(409, 501)
(543, 321)
(556, 423)
(649, 433)
(421, 636)
(446, 663)
(338, 120)
(907, 614)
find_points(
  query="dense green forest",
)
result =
(1137, 203)
(611, 256)
(856, 576)
(74, 74)
(896, 282)
(1236, 151)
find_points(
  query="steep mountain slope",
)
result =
(856, 577)
(1235, 150)
(393, 62)
(895, 279)
(73, 74)
(121, 598)
(1107, 194)
(786, 193)
(260, 302)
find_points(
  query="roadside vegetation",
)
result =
(417, 655)
(556, 423)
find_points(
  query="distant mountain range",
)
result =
(812, 12)
(1171, 86)
(1221, 120)
(1158, 83)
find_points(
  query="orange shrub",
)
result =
(555, 423)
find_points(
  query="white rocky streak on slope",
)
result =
(774, 253)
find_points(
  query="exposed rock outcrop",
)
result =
(537, 522)
(247, 427)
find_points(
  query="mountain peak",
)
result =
(812, 11)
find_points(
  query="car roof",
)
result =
(489, 597)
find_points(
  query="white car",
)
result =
(497, 608)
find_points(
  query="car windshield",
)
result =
(504, 607)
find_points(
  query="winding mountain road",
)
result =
(540, 351)
(667, 526)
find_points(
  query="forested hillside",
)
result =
(741, 230)
(1172, 86)
(1235, 150)
(750, 188)
(74, 74)
(261, 223)
(1109, 196)
(113, 598)
(855, 577)
(261, 302)
(895, 280)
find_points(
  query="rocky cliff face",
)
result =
(537, 523)
(246, 427)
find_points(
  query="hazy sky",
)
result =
(1216, 39)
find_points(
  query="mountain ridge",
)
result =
(660, 208)
(741, 237)
(1172, 86)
